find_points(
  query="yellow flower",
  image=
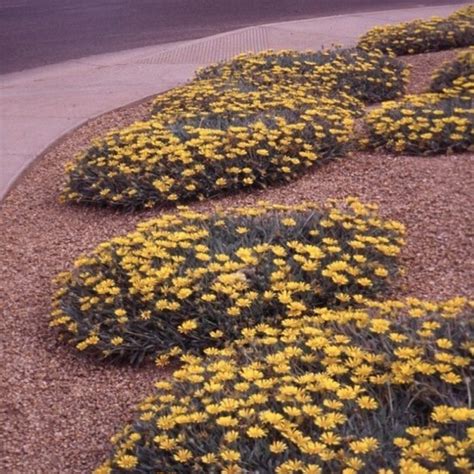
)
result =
(379, 326)
(381, 272)
(127, 461)
(230, 455)
(187, 326)
(441, 414)
(444, 343)
(104, 469)
(116, 341)
(234, 311)
(256, 432)
(231, 469)
(367, 403)
(184, 293)
(278, 447)
(364, 445)
(463, 463)
(183, 455)
(227, 421)
(365, 281)
(451, 378)
(231, 436)
(209, 458)
(330, 438)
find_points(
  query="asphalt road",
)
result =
(39, 32)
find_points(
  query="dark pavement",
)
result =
(39, 32)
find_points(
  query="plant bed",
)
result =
(423, 36)
(370, 76)
(422, 124)
(247, 123)
(382, 389)
(150, 163)
(50, 386)
(187, 281)
(456, 76)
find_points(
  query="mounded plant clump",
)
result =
(423, 36)
(422, 124)
(456, 76)
(153, 163)
(258, 120)
(232, 100)
(193, 280)
(370, 76)
(383, 389)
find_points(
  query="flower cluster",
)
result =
(233, 99)
(383, 388)
(257, 120)
(151, 163)
(370, 76)
(288, 364)
(192, 280)
(423, 124)
(456, 76)
(422, 36)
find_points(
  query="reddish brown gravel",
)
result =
(422, 67)
(59, 410)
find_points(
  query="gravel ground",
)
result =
(423, 65)
(59, 410)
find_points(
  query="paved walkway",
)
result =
(40, 105)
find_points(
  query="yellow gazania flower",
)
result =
(188, 326)
(278, 447)
(127, 461)
(229, 455)
(367, 403)
(183, 455)
(209, 458)
(364, 445)
(256, 432)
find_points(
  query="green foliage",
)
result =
(381, 389)
(423, 36)
(193, 280)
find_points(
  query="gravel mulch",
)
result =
(423, 65)
(59, 410)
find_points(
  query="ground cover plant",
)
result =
(153, 163)
(234, 99)
(422, 124)
(382, 389)
(422, 36)
(191, 280)
(370, 76)
(236, 127)
(456, 76)
(287, 366)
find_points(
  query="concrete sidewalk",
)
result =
(39, 105)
